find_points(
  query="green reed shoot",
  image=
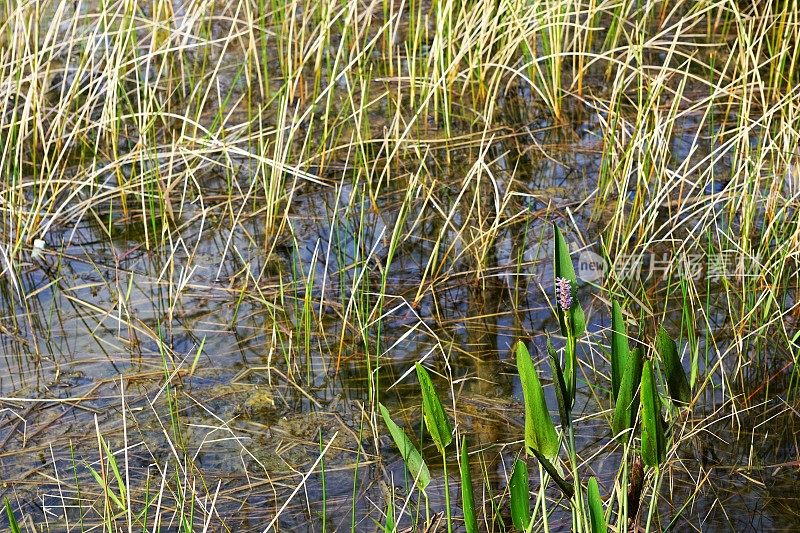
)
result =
(677, 384)
(467, 497)
(520, 497)
(627, 403)
(619, 348)
(411, 456)
(438, 427)
(12, 520)
(596, 514)
(653, 440)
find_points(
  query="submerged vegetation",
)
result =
(399, 265)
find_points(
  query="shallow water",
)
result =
(254, 418)
(100, 337)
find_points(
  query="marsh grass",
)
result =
(258, 216)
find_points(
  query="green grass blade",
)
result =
(563, 269)
(619, 347)
(653, 441)
(596, 515)
(435, 418)
(12, 520)
(389, 525)
(540, 433)
(627, 404)
(467, 498)
(520, 497)
(197, 356)
(112, 460)
(677, 384)
(114, 498)
(411, 456)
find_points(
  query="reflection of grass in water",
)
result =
(137, 229)
(658, 128)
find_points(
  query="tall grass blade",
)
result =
(411, 456)
(540, 433)
(677, 384)
(467, 498)
(627, 404)
(435, 418)
(619, 347)
(653, 440)
(12, 520)
(596, 515)
(520, 497)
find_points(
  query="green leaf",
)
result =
(597, 518)
(677, 384)
(627, 404)
(435, 418)
(560, 386)
(12, 520)
(467, 498)
(110, 493)
(553, 472)
(619, 347)
(520, 497)
(563, 269)
(411, 456)
(653, 441)
(117, 475)
(540, 433)
(389, 525)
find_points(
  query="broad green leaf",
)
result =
(596, 516)
(411, 456)
(619, 347)
(627, 404)
(563, 269)
(467, 498)
(678, 385)
(12, 520)
(435, 418)
(653, 441)
(520, 497)
(560, 386)
(540, 433)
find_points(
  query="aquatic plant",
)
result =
(637, 381)
(540, 434)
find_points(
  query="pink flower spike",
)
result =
(564, 293)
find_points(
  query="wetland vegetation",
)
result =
(399, 265)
